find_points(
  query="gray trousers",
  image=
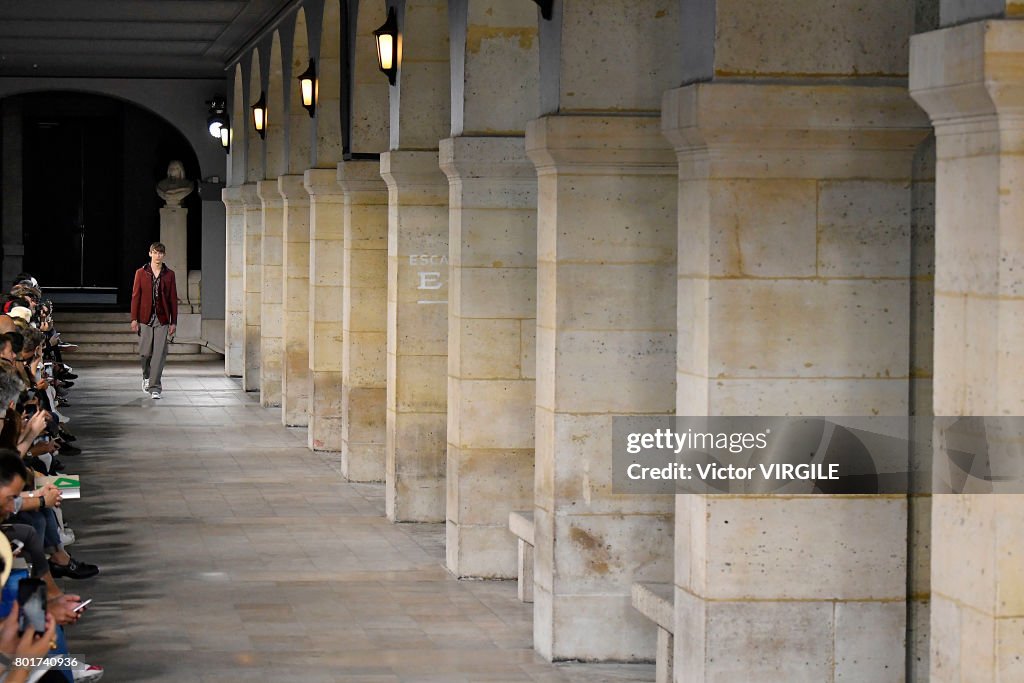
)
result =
(153, 353)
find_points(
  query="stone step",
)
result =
(61, 317)
(108, 336)
(126, 348)
(125, 336)
(68, 328)
(84, 358)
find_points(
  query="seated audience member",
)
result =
(13, 475)
(38, 508)
(28, 645)
(34, 382)
(11, 645)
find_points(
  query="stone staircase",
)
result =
(108, 336)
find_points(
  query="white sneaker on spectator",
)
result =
(155, 395)
(87, 672)
(67, 536)
(64, 419)
(145, 384)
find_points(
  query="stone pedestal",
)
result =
(190, 325)
(491, 340)
(234, 287)
(271, 317)
(174, 236)
(605, 346)
(252, 282)
(968, 78)
(794, 281)
(326, 249)
(417, 336)
(295, 260)
(365, 317)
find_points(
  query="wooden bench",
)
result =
(655, 601)
(520, 523)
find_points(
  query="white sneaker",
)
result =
(87, 672)
(67, 535)
(155, 395)
(145, 384)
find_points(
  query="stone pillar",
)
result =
(491, 341)
(174, 236)
(234, 287)
(417, 351)
(326, 249)
(794, 298)
(968, 78)
(605, 346)
(271, 316)
(492, 315)
(365, 318)
(252, 278)
(295, 362)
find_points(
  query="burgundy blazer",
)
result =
(142, 296)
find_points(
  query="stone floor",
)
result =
(230, 552)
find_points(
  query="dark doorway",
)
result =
(72, 221)
(90, 209)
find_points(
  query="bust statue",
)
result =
(175, 187)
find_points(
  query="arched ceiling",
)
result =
(118, 38)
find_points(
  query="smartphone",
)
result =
(31, 409)
(32, 602)
(16, 546)
(82, 606)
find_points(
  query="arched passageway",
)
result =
(84, 179)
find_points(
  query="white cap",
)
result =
(21, 312)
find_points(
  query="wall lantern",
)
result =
(225, 138)
(308, 85)
(259, 115)
(545, 7)
(387, 46)
(217, 117)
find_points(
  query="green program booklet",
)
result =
(69, 484)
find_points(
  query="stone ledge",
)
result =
(485, 157)
(322, 184)
(598, 145)
(232, 197)
(754, 130)
(362, 176)
(655, 601)
(268, 191)
(968, 71)
(293, 189)
(520, 523)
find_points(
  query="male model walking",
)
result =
(154, 315)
